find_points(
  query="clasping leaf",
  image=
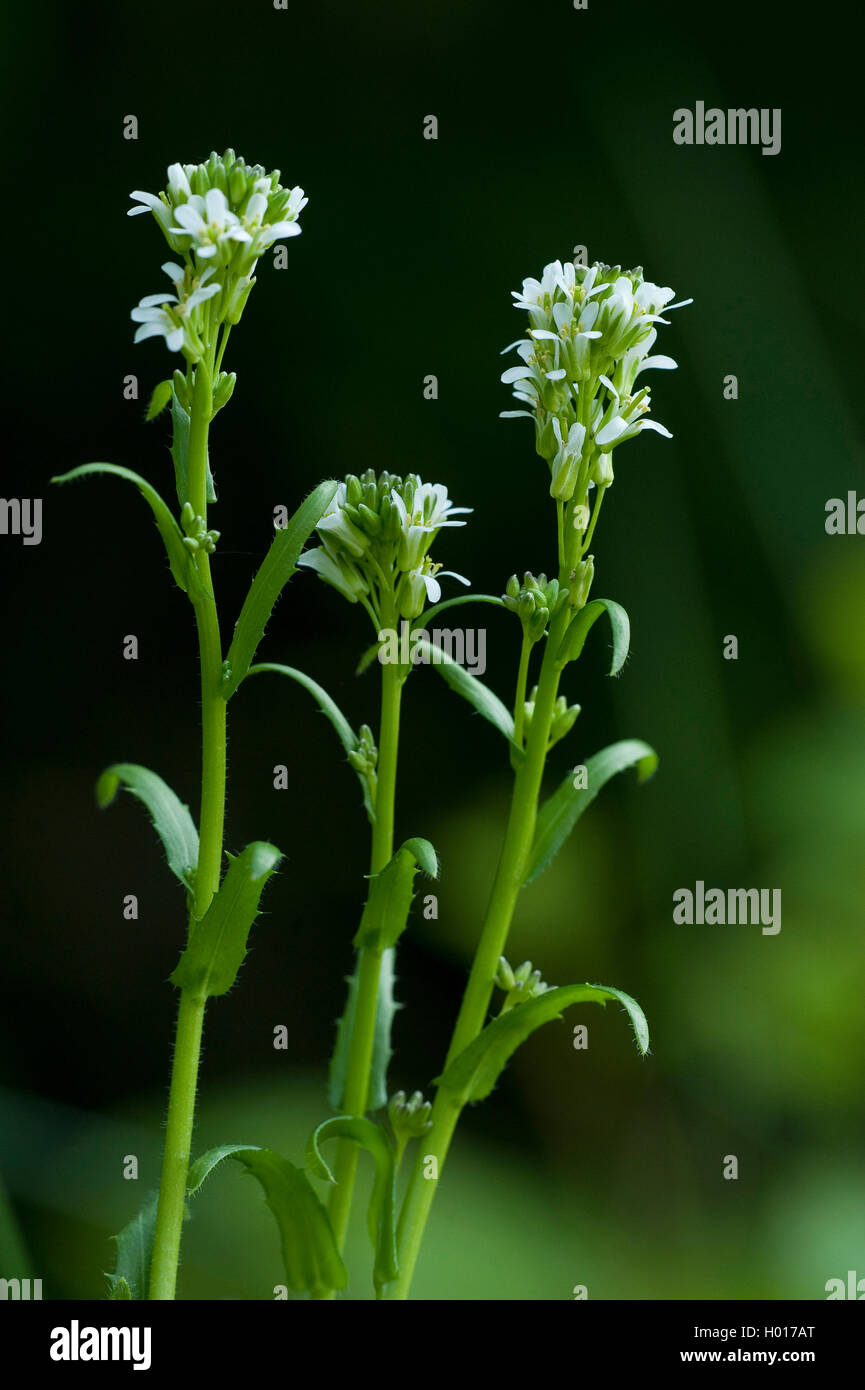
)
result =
(215, 953)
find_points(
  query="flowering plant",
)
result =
(589, 337)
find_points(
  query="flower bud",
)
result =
(223, 389)
(582, 578)
(512, 588)
(602, 470)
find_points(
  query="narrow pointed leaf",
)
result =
(381, 1211)
(312, 1261)
(172, 819)
(210, 963)
(473, 1074)
(386, 1008)
(330, 709)
(560, 813)
(169, 530)
(277, 567)
(467, 685)
(131, 1278)
(574, 639)
(390, 894)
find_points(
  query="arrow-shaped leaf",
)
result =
(172, 820)
(169, 530)
(134, 1243)
(467, 685)
(312, 1261)
(385, 1010)
(574, 639)
(210, 963)
(560, 813)
(390, 894)
(473, 1074)
(277, 567)
(380, 1213)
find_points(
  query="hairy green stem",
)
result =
(356, 1094)
(509, 878)
(190, 1020)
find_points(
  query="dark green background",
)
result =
(555, 128)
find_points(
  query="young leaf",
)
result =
(385, 1011)
(180, 426)
(380, 1218)
(169, 530)
(390, 894)
(560, 813)
(312, 1261)
(277, 567)
(329, 708)
(210, 963)
(575, 637)
(134, 1253)
(162, 393)
(172, 820)
(473, 1074)
(467, 685)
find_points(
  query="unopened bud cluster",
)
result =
(563, 720)
(409, 1118)
(220, 217)
(375, 541)
(520, 984)
(535, 601)
(364, 759)
(591, 331)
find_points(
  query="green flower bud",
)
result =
(602, 470)
(223, 389)
(504, 975)
(178, 382)
(512, 588)
(353, 490)
(582, 578)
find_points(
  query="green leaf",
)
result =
(386, 1008)
(474, 1073)
(134, 1253)
(467, 685)
(169, 530)
(367, 659)
(277, 567)
(312, 1261)
(560, 813)
(172, 819)
(330, 709)
(382, 1205)
(162, 393)
(180, 426)
(455, 603)
(390, 894)
(575, 637)
(210, 963)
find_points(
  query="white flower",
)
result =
(421, 585)
(340, 573)
(172, 315)
(210, 223)
(431, 508)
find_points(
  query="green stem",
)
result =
(514, 859)
(520, 698)
(190, 1021)
(356, 1093)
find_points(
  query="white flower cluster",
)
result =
(220, 216)
(591, 331)
(376, 535)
